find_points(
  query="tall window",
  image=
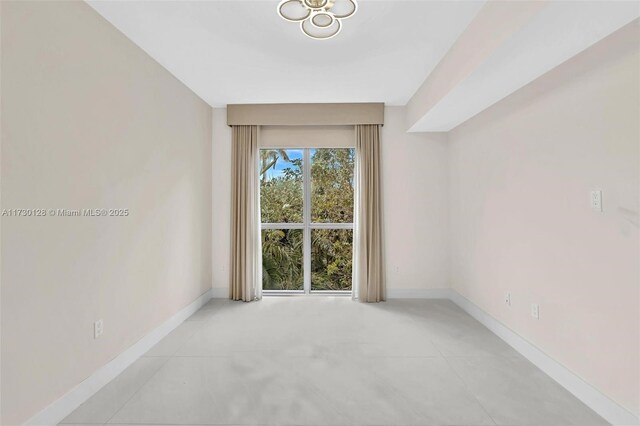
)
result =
(306, 202)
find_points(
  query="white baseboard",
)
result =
(418, 293)
(61, 408)
(590, 396)
(219, 293)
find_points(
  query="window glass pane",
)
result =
(332, 185)
(281, 185)
(331, 259)
(282, 259)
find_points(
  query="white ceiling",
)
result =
(242, 52)
(561, 30)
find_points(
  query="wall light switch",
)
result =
(98, 328)
(535, 311)
(596, 200)
(507, 299)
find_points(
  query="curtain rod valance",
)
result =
(305, 114)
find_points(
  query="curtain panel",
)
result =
(368, 270)
(245, 274)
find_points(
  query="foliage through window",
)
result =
(282, 259)
(281, 186)
(306, 203)
(331, 257)
(332, 185)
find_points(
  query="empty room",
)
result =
(319, 212)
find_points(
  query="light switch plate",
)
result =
(507, 299)
(98, 328)
(596, 200)
(535, 311)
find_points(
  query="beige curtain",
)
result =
(245, 216)
(368, 271)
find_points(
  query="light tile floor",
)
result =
(331, 361)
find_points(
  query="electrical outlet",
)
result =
(98, 328)
(507, 299)
(596, 200)
(535, 311)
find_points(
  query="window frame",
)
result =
(307, 226)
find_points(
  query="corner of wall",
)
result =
(1, 422)
(449, 247)
(221, 199)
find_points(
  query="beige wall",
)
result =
(521, 176)
(415, 163)
(221, 243)
(414, 196)
(90, 121)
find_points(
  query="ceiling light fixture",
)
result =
(319, 19)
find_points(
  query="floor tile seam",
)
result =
(157, 370)
(397, 392)
(180, 346)
(466, 386)
(310, 357)
(515, 356)
(190, 424)
(464, 383)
